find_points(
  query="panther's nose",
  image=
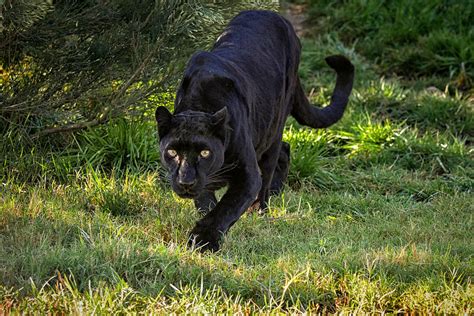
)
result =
(186, 182)
(186, 175)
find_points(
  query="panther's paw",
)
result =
(204, 238)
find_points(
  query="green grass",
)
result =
(407, 38)
(377, 214)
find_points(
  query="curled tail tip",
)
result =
(340, 64)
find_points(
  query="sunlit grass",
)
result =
(375, 217)
(314, 250)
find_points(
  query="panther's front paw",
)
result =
(204, 238)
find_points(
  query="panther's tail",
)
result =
(309, 115)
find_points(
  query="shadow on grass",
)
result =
(300, 254)
(99, 256)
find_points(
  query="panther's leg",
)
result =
(205, 202)
(244, 184)
(268, 163)
(281, 170)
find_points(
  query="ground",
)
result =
(377, 215)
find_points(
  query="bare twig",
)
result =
(72, 127)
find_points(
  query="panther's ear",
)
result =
(163, 118)
(220, 117)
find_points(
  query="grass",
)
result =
(376, 216)
(407, 38)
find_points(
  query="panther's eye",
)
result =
(172, 153)
(205, 153)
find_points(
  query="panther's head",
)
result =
(192, 146)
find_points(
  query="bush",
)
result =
(68, 65)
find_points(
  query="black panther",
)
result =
(230, 111)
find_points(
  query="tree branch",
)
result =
(66, 128)
(104, 117)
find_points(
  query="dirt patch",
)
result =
(295, 13)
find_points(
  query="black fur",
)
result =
(233, 103)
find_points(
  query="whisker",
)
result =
(223, 170)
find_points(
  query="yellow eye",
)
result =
(205, 153)
(172, 153)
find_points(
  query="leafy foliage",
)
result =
(76, 64)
